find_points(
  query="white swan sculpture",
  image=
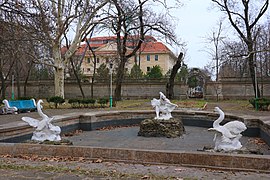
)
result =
(163, 107)
(228, 135)
(44, 129)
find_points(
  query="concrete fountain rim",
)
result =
(248, 162)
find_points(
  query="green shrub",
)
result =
(85, 102)
(92, 101)
(103, 101)
(74, 102)
(154, 73)
(56, 100)
(71, 101)
(262, 103)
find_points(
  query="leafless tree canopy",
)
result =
(244, 17)
(35, 31)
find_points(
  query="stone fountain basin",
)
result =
(13, 134)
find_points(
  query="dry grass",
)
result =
(145, 104)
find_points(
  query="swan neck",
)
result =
(39, 110)
(220, 118)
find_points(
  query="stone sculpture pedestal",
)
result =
(162, 128)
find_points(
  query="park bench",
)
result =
(13, 106)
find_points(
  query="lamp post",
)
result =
(111, 99)
(256, 86)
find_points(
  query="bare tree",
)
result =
(244, 16)
(130, 23)
(216, 39)
(170, 84)
(79, 14)
(15, 43)
(232, 64)
(52, 20)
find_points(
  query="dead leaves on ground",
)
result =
(43, 158)
(73, 133)
(108, 128)
(257, 141)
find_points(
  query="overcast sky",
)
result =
(197, 19)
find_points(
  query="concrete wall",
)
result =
(226, 89)
(232, 88)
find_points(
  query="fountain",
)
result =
(123, 144)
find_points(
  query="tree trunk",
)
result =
(253, 74)
(18, 79)
(119, 79)
(59, 67)
(92, 81)
(252, 67)
(3, 86)
(95, 67)
(170, 84)
(59, 82)
(77, 77)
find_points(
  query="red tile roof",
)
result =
(153, 46)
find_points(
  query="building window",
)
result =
(88, 70)
(148, 57)
(148, 69)
(88, 60)
(97, 60)
(156, 57)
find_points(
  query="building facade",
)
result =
(104, 49)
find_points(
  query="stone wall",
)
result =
(226, 89)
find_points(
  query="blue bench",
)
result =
(20, 105)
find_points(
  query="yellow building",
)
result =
(150, 54)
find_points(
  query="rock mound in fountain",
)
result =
(162, 128)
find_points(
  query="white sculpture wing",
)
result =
(31, 121)
(50, 119)
(170, 107)
(155, 102)
(235, 127)
(225, 132)
(215, 130)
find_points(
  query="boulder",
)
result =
(162, 128)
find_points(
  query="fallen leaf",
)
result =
(108, 164)
(145, 177)
(6, 156)
(81, 159)
(179, 169)
(98, 161)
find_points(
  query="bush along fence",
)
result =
(260, 103)
(88, 103)
(57, 100)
